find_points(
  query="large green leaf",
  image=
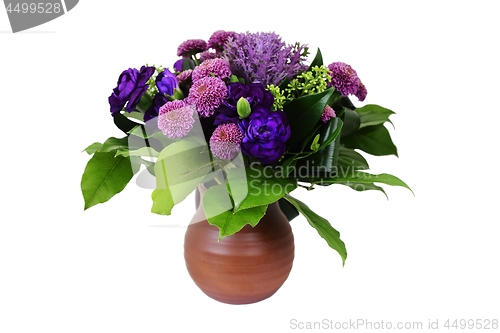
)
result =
(257, 186)
(105, 176)
(374, 140)
(359, 179)
(317, 61)
(304, 113)
(93, 148)
(351, 122)
(322, 226)
(144, 151)
(372, 114)
(350, 161)
(123, 123)
(114, 144)
(219, 212)
(180, 167)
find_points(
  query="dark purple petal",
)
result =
(135, 97)
(166, 82)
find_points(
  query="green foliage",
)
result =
(374, 140)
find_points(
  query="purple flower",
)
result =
(185, 76)
(328, 113)
(225, 141)
(176, 123)
(207, 94)
(265, 134)
(346, 80)
(205, 55)
(256, 95)
(212, 67)
(263, 57)
(191, 47)
(166, 82)
(130, 88)
(158, 101)
(178, 65)
(172, 105)
(219, 39)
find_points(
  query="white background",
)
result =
(118, 268)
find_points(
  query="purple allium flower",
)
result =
(176, 123)
(263, 57)
(219, 39)
(130, 88)
(265, 134)
(207, 94)
(166, 82)
(205, 55)
(212, 67)
(225, 141)
(328, 113)
(191, 46)
(256, 94)
(346, 80)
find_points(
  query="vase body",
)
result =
(243, 268)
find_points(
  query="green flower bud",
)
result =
(243, 107)
(178, 94)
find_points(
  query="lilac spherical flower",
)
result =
(131, 86)
(225, 141)
(219, 38)
(184, 76)
(177, 123)
(166, 82)
(346, 80)
(212, 67)
(205, 55)
(191, 46)
(207, 94)
(172, 105)
(328, 113)
(265, 134)
(255, 93)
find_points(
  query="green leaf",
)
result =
(374, 140)
(258, 187)
(144, 151)
(123, 123)
(104, 176)
(288, 166)
(317, 61)
(360, 179)
(351, 122)
(180, 167)
(114, 144)
(93, 148)
(304, 113)
(372, 114)
(350, 161)
(322, 226)
(219, 212)
(288, 209)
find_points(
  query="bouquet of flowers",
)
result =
(251, 118)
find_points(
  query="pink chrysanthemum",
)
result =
(190, 47)
(207, 94)
(184, 75)
(346, 80)
(219, 39)
(178, 122)
(212, 67)
(328, 113)
(169, 106)
(205, 55)
(225, 141)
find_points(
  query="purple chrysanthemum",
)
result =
(207, 94)
(328, 113)
(225, 141)
(346, 80)
(205, 55)
(212, 67)
(263, 57)
(172, 105)
(219, 39)
(184, 75)
(190, 47)
(176, 123)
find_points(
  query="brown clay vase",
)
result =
(243, 268)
